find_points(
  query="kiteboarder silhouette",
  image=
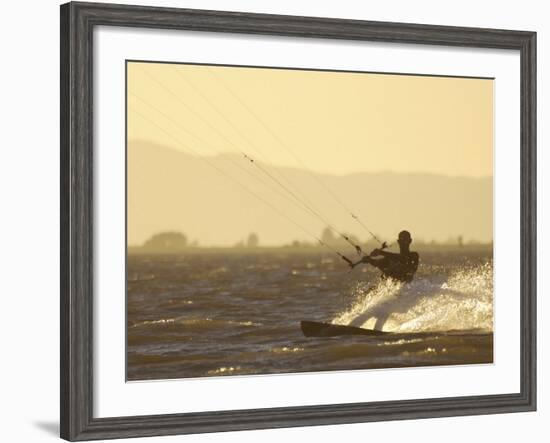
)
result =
(401, 266)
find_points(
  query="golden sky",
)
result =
(335, 122)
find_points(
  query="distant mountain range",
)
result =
(169, 190)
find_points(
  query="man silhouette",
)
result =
(401, 267)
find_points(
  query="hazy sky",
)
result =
(336, 123)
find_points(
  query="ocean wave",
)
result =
(286, 349)
(230, 370)
(426, 351)
(401, 342)
(463, 302)
(194, 322)
(140, 277)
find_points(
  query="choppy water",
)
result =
(208, 314)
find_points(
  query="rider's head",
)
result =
(404, 239)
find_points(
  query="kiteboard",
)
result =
(319, 329)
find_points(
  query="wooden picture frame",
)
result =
(77, 376)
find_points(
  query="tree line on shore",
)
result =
(174, 241)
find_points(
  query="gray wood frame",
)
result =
(77, 24)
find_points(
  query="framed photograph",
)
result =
(272, 221)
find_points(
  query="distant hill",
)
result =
(169, 190)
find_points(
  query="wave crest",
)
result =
(463, 302)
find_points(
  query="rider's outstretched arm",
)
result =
(365, 259)
(385, 253)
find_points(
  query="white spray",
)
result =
(463, 302)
